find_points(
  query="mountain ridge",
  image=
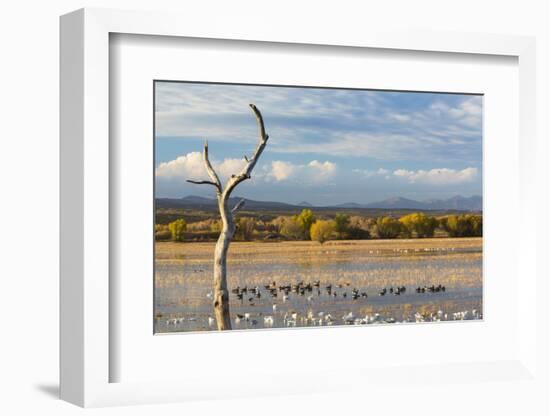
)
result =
(456, 203)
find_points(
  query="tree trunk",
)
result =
(221, 293)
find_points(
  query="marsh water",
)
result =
(442, 280)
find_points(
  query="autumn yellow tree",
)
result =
(465, 225)
(290, 228)
(387, 227)
(322, 231)
(177, 229)
(419, 224)
(305, 219)
(341, 225)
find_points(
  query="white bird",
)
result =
(285, 298)
(274, 308)
(268, 320)
(247, 316)
(209, 295)
(210, 321)
(348, 317)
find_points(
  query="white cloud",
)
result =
(467, 112)
(401, 118)
(191, 166)
(324, 169)
(229, 167)
(328, 122)
(442, 176)
(372, 173)
(186, 167)
(313, 171)
(281, 171)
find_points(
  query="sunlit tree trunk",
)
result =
(221, 293)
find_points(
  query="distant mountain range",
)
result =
(460, 203)
(455, 203)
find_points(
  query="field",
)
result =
(344, 282)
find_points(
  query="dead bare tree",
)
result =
(221, 294)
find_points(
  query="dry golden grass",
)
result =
(413, 262)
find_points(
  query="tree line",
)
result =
(307, 226)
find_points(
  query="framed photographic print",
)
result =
(233, 196)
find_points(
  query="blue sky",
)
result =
(326, 146)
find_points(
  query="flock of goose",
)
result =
(253, 294)
(292, 318)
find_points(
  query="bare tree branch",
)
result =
(247, 170)
(211, 172)
(202, 182)
(238, 206)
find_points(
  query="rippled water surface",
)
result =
(183, 283)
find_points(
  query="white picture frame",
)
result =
(86, 305)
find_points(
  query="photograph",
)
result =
(281, 206)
